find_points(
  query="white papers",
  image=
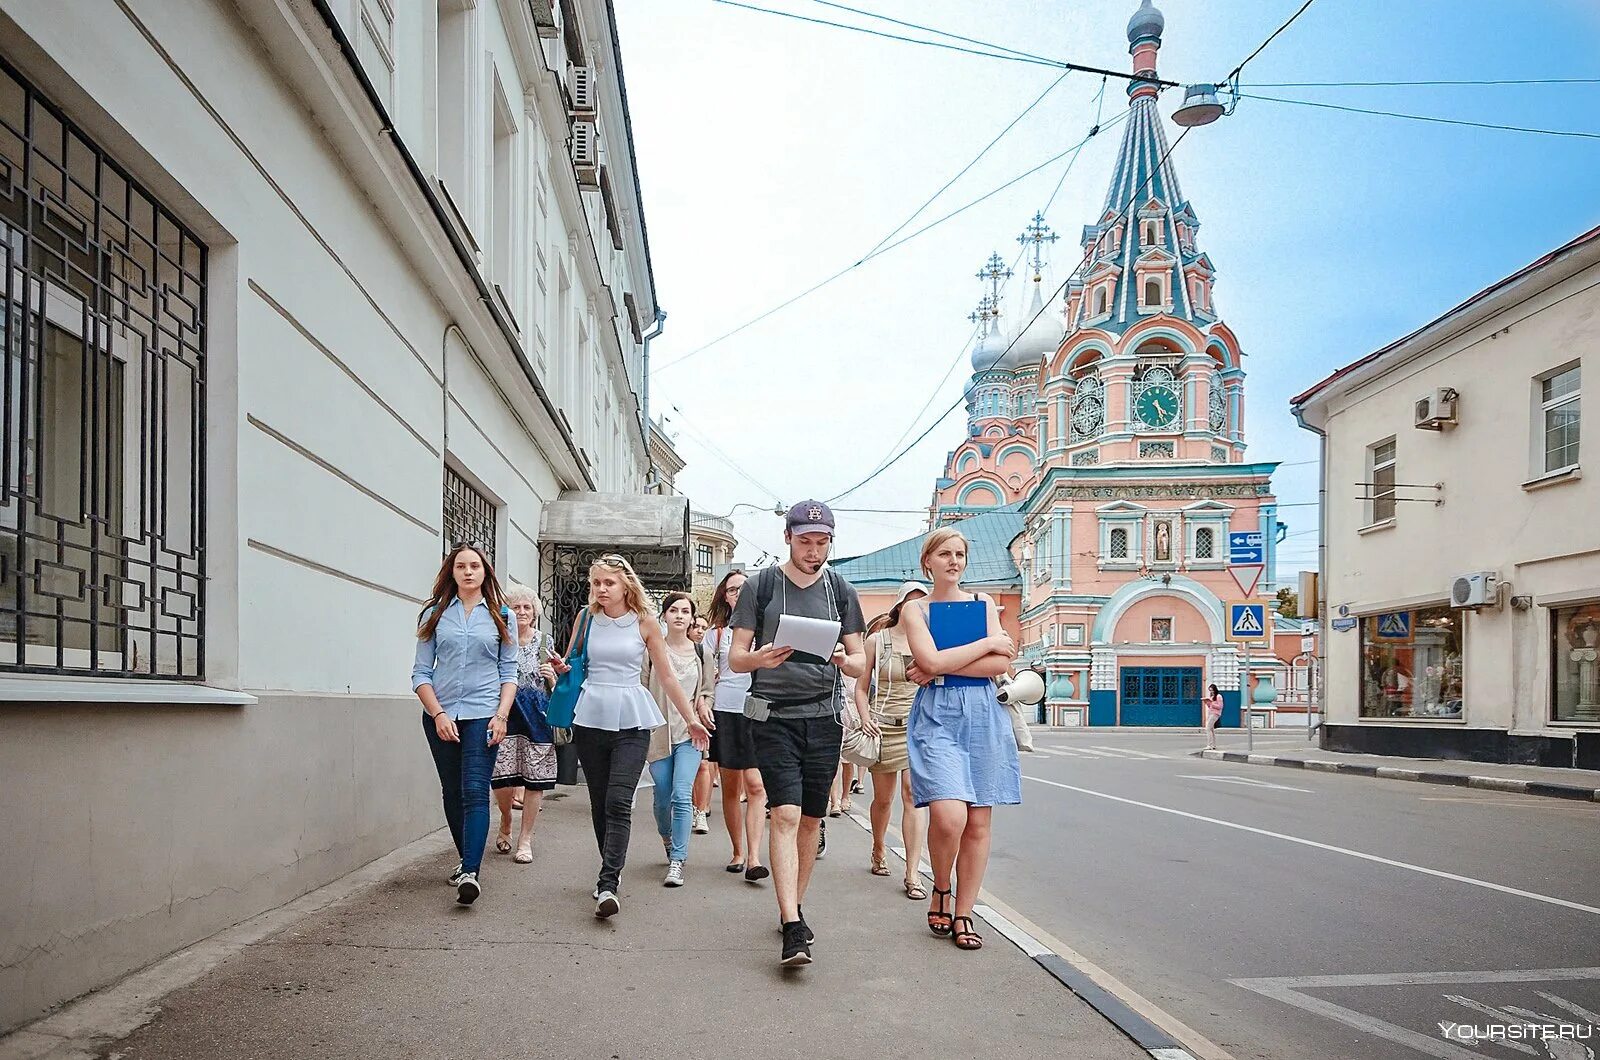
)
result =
(810, 636)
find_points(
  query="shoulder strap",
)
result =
(765, 588)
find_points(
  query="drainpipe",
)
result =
(644, 395)
(1320, 608)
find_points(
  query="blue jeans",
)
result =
(464, 772)
(674, 779)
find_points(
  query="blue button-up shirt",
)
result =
(466, 662)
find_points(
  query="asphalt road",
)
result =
(1216, 889)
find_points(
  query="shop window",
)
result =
(1575, 663)
(1411, 664)
(1559, 408)
(1380, 482)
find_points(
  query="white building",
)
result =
(1461, 544)
(298, 292)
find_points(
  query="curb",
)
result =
(1547, 789)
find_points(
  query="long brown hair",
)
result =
(721, 611)
(890, 618)
(445, 591)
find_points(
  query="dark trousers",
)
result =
(464, 772)
(612, 763)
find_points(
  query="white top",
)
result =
(612, 697)
(731, 687)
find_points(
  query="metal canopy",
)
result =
(621, 521)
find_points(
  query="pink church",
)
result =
(1107, 435)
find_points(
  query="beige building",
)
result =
(711, 545)
(1461, 548)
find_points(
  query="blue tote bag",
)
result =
(564, 699)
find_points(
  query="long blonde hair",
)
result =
(633, 591)
(937, 538)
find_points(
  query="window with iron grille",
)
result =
(102, 394)
(1119, 543)
(468, 515)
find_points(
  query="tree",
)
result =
(1288, 603)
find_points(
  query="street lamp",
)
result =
(1201, 106)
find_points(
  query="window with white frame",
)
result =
(501, 233)
(452, 68)
(1152, 291)
(1119, 543)
(1205, 543)
(1559, 408)
(1380, 481)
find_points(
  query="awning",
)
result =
(623, 521)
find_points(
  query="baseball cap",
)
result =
(907, 588)
(809, 517)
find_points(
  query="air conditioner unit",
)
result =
(1479, 589)
(1436, 411)
(581, 87)
(586, 153)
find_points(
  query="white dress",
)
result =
(612, 697)
(731, 688)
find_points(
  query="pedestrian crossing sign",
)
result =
(1247, 621)
(1394, 626)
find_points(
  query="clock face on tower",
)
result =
(1157, 407)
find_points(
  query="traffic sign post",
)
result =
(1248, 622)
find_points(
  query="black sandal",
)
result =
(940, 923)
(966, 939)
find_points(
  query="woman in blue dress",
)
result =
(959, 741)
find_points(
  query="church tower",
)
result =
(1141, 476)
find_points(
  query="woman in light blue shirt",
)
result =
(465, 674)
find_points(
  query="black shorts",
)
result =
(732, 746)
(798, 758)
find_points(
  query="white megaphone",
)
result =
(1024, 690)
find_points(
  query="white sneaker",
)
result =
(702, 822)
(606, 905)
(822, 840)
(674, 875)
(467, 890)
(455, 875)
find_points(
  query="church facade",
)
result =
(1111, 426)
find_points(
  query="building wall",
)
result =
(349, 359)
(1542, 539)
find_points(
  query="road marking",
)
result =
(1290, 990)
(1096, 754)
(1364, 856)
(1249, 782)
(1127, 751)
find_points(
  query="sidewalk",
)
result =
(400, 970)
(1582, 784)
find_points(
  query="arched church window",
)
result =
(1099, 301)
(1205, 543)
(1152, 292)
(1119, 543)
(1088, 408)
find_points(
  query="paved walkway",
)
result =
(401, 970)
(1583, 784)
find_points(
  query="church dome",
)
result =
(986, 354)
(1041, 339)
(1146, 22)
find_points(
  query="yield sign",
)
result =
(1246, 576)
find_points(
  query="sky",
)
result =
(773, 153)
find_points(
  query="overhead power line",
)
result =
(1428, 84)
(1575, 133)
(885, 248)
(937, 32)
(1009, 55)
(1237, 70)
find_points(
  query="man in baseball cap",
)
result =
(795, 704)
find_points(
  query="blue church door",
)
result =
(1160, 695)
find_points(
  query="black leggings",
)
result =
(612, 763)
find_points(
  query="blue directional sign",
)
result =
(1246, 547)
(1247, 620)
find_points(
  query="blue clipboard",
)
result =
(954, 624)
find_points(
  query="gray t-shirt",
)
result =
(798, 689)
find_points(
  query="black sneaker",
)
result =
(811, 936)
(796, 950)
(822, 840)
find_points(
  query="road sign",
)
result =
(1394, 626)
(1246, 546)
(1246, 576)
(1344, 625)
(1248, 621)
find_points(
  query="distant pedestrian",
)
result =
(1211, 708)
(673, 757)
(960, 745)
(615, 713)
(697, 629)
(796, 702)
(465, 674)
(733, 749)
(885, 696)
(525, 766)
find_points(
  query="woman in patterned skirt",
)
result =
(962, 751)
(525, 767)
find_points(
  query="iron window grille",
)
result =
(102, 394)
(468, 515)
